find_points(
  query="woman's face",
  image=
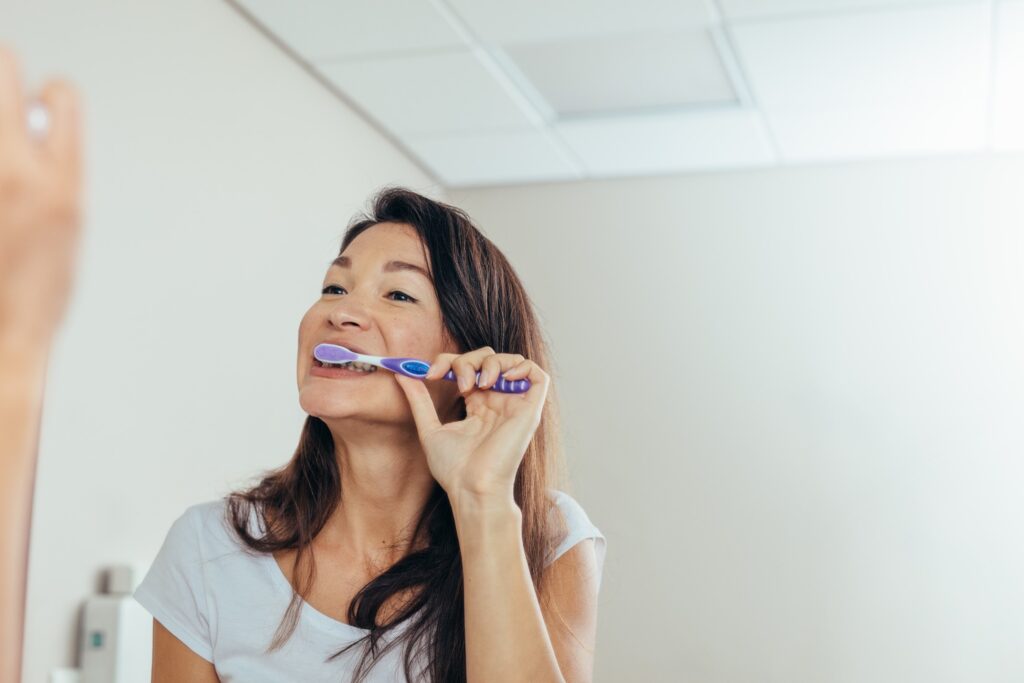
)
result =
(372, 304)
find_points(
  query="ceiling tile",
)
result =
(753, 9)
(496, 158)
(428, 93)
(1008, 90)
(501, 21)
(616, 73)
(325, 29)
(657, 143)
(872, 84)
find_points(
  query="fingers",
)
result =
(464, 366)
(424, 413)
(484, 360)
(528, 370)
(12, 101)
(539, 384)
(62, 144)
(441, 365)
(467, 365)
(497, 365)
(490, 367)
(519, 370)
(64, 139)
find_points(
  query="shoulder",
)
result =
(203, 512)
(576, 518)
(567, 504)
(572, 586)
(574, 527)
(207, 526)
(174, 589)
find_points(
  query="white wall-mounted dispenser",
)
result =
(116, 640)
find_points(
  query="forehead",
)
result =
(391, 240)
(392, 248)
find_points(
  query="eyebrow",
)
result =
(389, 267)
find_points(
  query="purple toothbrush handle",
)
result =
(415, 368)
(506, 386)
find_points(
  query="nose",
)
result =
(347, 311)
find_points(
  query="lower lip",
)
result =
(338, 373)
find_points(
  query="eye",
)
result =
(326, 290)
(407, 297)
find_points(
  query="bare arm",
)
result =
(173, 661)
(571, 617)
(40, 183)
(22, 378)
(507, 632)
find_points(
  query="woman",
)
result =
(414, 534)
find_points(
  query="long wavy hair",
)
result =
(483, 303)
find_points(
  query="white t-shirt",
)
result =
(226, 604)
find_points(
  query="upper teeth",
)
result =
(354, 365)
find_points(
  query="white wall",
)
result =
(221, 177)
(793, 400)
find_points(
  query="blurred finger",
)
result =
(12, 100)
(63, 143)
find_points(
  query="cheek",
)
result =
(415, 341)
(309, 323)
(307, 318)
(306, 327)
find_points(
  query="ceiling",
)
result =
(492, 92)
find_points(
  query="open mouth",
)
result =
(354, 366)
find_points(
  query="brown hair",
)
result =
(483, 303)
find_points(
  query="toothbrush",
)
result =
(410, 367)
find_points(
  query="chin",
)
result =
(342, 407)
(324, 406)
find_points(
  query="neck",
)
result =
(385, 483)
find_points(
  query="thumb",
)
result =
(422, 405)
